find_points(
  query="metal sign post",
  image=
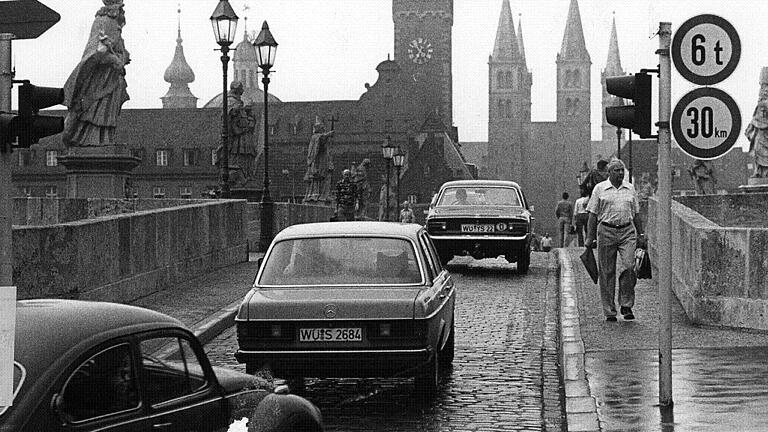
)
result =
(664, 219)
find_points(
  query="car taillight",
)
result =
(437, 225)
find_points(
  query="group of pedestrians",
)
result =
(607, 216)
(351, 198)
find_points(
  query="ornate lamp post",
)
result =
(387, 151)
(266, 49)
(224, 22)
(398, 159)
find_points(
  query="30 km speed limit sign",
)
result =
(706, 123)
(706, 49)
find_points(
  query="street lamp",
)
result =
(387, 151)
(266, 49)
(224, 22)
(398, 159)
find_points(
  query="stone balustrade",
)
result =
(719, 262)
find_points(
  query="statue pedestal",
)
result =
(755, 185)
(98, 172)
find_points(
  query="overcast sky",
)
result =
(329, 49)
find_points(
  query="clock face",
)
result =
(420, 50)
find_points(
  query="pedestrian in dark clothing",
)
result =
(564, 213)
(614, 220)
(346, 197)
(595, 176)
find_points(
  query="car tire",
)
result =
(428, 379)
(524, 261)
(447, 353)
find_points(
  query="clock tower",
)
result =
(423, 51)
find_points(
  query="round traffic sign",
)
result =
(706, 123)
(706, 49)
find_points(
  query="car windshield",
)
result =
(342, 261)
(453, 196)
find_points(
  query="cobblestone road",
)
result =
(505, 374)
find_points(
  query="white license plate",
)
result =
(476, 228)
(330, 335)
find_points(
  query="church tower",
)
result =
(509, 101)
(612, 68)
(573, 73)
(423, 46)
(179, 75)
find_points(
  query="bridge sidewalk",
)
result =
(611, 369)
(206, 304)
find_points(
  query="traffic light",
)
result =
(31, 126)
(636, 87)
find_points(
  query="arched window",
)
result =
(568, 106)
(577, 78)
(574, 106)
(567, 82)
(501, 108)
(500, 79)
(508, 79)
(508, 109)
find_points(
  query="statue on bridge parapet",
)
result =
(319, 166)
(242, 140)
(757, 129)
(96, 89)
(703, 173)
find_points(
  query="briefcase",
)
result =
(642, 264)
(588, 258)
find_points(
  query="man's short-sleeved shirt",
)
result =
(616, 206)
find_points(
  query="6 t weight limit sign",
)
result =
(706, 123)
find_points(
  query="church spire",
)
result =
(179, 75)
(613, 63)
(505, 47)
(520, 44)
(573, 46)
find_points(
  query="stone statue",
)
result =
(242, 139)
(319, 165)
(96, 89)
(704, 176)
(757, 129)
(363, 189)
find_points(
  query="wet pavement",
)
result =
(719, 375)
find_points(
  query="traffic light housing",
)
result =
(636, 87)
(30, 126)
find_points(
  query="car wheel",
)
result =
(524, 261)
(446, 354)
(426, 382)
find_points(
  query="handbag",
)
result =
(642, 264)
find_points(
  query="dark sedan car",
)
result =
(350, 299)
(481, 218)
(87, 366)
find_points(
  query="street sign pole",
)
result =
(7, 290)
(664, 220)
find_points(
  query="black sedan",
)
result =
(87, 366)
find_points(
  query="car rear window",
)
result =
(341, 261)
(479, 196)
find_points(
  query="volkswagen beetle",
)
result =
(87, 366)
(350, 299)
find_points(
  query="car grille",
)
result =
(516, 227)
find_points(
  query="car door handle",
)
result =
(161, 426)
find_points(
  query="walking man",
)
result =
(614, 220)
(564, 213)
